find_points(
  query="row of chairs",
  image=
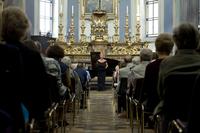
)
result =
(138, 116)
(176, 105)
(58, 109)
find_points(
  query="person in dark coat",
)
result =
(34, 94)
(11, 78)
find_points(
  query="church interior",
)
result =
(104, 48)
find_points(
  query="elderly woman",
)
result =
(15, 25)
(78, 90)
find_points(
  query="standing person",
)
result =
(101, 68)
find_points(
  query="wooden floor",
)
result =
(100, 116)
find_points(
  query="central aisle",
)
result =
(100, 116)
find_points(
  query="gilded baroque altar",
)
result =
(80, 51)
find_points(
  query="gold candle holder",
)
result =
(71, 31)
(127, 38)
(116, 27)
(61, 37)
(137, 34)
(83, 36)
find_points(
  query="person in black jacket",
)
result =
(11, 78)
(34, 94)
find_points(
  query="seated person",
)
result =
(83, 78)
(76, 87)
(164, 45)
(186, 38)
(139, 70)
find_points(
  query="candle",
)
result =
(72, 10)
(61, 6)
(83, 10)
(126, 10)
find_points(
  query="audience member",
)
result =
(55, 54)
(35, 93)
(62, 72)
(136, 60)
(83, 78)
(77, 87)
(145, 58)
(154, 56)
(31, 45)
(122, 87)
(186, 38)
(11, 81)
(164, 44)
(139, 70)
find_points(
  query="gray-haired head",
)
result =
(146, 54)
(136, 60)
(66, 60)
(15, 24)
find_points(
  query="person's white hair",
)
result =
(66, 60)
(15, 24)
(136, 60)
(146, 54)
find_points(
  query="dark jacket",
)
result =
(35, 92)
(11, 80)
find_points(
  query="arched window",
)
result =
(152, 19)
(49, 17)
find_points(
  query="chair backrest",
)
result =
(53, 88)
(177, 96)
(138, 88)
(123, 86)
